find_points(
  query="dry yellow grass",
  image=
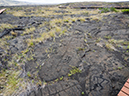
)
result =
(29, 30)
(45, 11)
(6, 25)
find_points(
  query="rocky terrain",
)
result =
(47, 51)
(104, 4)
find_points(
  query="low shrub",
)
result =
(105, 10)
(125, 11)
(112, 9)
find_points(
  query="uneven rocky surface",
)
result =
(89, 58)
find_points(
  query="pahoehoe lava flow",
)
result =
(63, 50)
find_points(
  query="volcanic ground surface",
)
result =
(63, 52)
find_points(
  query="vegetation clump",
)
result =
(125, 11)
(74, 70)
(105, 10)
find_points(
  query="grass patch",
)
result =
(29, 30)
(12, 82)
(7, 26)
(17, 13)
(96, 17)
(109, 46)
(108, 37)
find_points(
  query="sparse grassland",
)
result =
(61, 20)
(55, 28)
(45, 12)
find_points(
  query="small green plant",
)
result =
(98, 40)
(39, 83)
(89, 34)
(56, 80)
(66, 20)
(83, 93)
(32, 81)
(24, 52)
(73, 71)
(125, 58)
(69, 74)
(30, 58)
(30, 44)
(119, 68)
(85, 40)
(108, 37)
(28, 74)
(61, 78)
(35, 77)
(80, 49)
(126, 43)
